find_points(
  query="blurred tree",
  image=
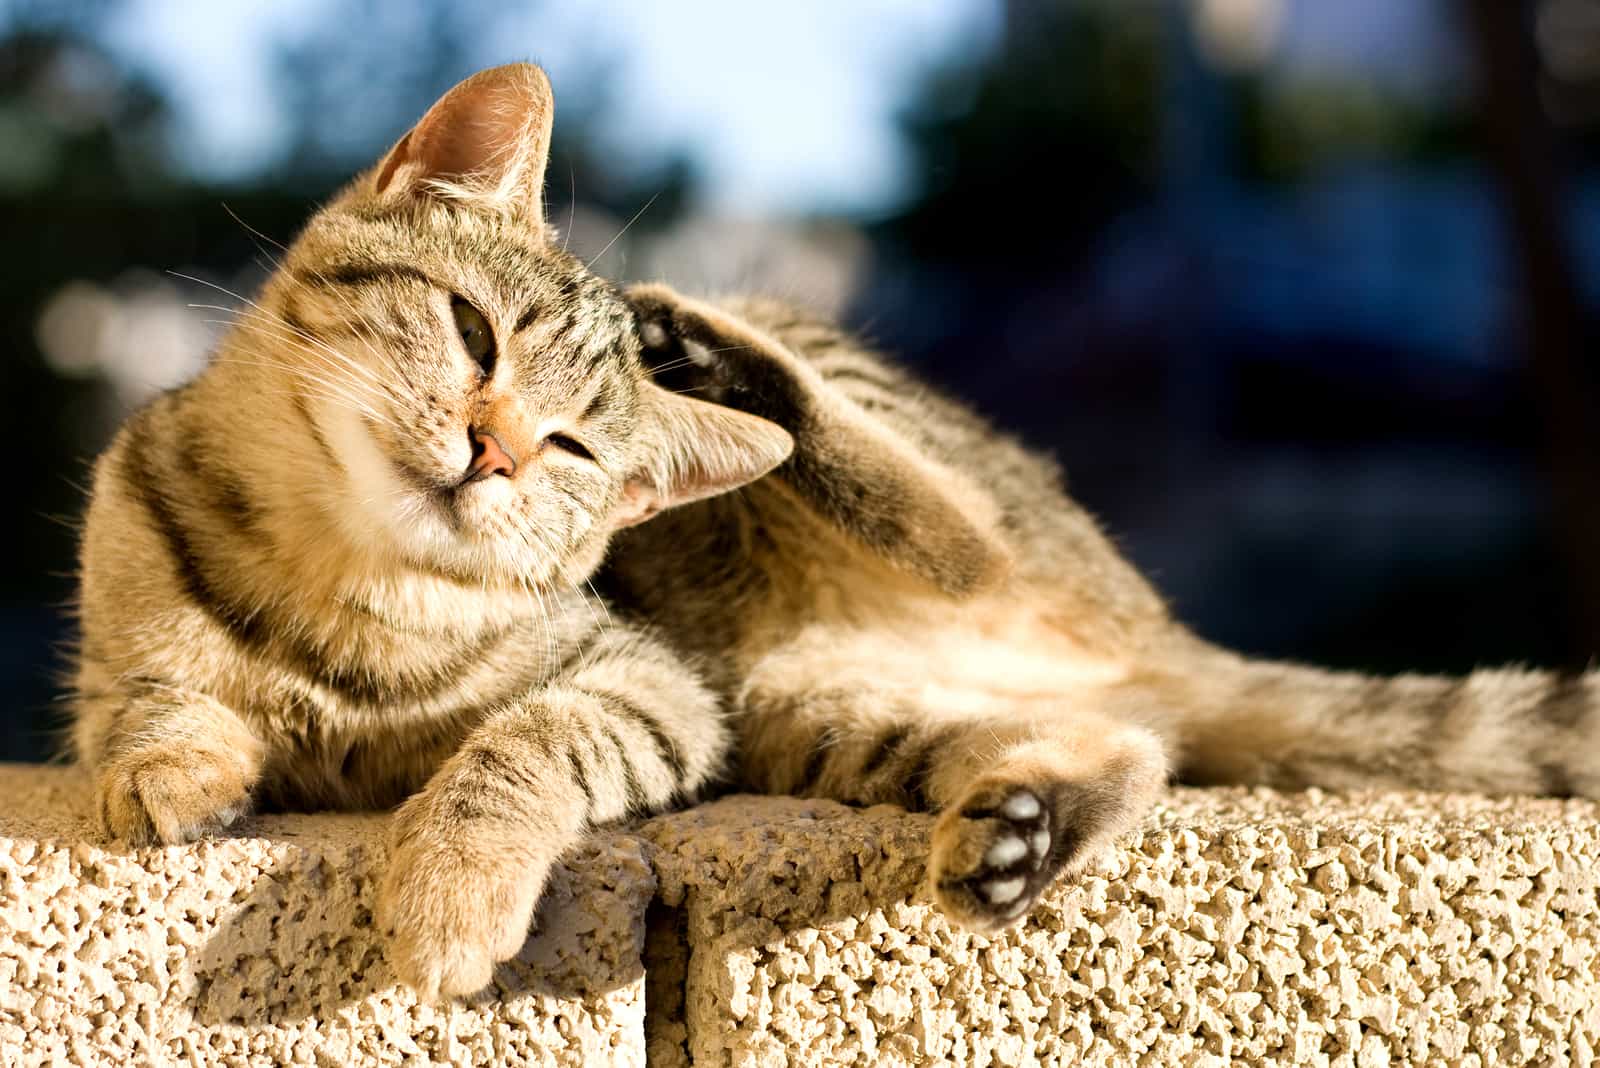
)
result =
(351, 94)
(73, 120)
(1559, 337)
(1023, 153)
(81, 138)
(1289, 132)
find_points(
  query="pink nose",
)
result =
(489, 457)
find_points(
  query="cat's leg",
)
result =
(1023, 795)
(1024, 809)
(630, 731)
(170, 764)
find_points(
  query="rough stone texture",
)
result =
(259, 950)
(1239, 927)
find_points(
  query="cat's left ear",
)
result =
(697, 450)
(486, 141)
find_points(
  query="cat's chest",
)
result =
(370, 730)
(372, 666)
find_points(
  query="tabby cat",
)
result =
(350, 566)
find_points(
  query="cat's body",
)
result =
(349, 566)
(987, 642)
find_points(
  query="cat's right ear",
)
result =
(485, 142)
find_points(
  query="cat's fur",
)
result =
(277, 607)
(293, 593)
(911, 610)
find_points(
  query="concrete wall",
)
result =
(1236, 927)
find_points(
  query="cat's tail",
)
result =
(1233, 720)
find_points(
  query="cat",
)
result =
(911, 610)
(346, 566)
(354, 564)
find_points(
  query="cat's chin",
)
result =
(473, 557)
(466, 531)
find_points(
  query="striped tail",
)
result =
(1285, 725)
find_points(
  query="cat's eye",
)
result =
(476, 336)
(571, 445)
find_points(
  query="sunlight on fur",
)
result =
(451, 524)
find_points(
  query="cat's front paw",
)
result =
(674, 361)
(453, 905)
(170, 794)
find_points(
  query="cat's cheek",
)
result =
(376, 495)
(380, 508)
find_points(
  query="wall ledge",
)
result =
(1236, 927)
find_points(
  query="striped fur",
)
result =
(295, 592)
(911, 610)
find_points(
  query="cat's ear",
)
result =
(697, 450)
(485, 141)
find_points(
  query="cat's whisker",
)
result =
(305, 373)
(262, 320)
(270, 327)
(224, 290)
(257, 233)
(604, 608)
(622, 231)
(370, 390)
(312, 385)
(673, 365)
(349, 305)
(572, 208)
(299, 372)
(258, 318)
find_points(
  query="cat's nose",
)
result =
(489, 457)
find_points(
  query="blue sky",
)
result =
(784, 107)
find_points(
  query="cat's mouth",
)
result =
(444, 493)
(426, 482)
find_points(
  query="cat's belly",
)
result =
(954, 655)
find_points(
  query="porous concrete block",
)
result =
(1236, 927)
(1239, 927)
(259, 949)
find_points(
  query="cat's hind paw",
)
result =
(1020, 827)
(994, 854)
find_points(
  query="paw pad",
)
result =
(1013, 832)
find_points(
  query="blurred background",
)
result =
(1300, 292)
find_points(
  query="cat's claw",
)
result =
(164, 796)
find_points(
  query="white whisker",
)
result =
(624, 230)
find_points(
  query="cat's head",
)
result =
(479, 393)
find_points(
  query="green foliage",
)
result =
(1025, 152)
(1288, 130)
